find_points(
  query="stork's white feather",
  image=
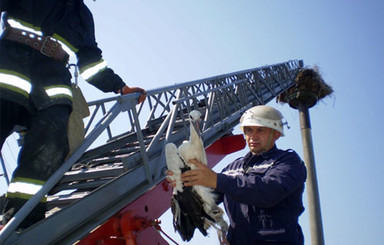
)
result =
(174, 164)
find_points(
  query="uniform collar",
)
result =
(264, 155)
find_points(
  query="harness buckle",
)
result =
(48, 48)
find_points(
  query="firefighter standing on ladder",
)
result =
(35, 91)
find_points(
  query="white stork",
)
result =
(193, 207)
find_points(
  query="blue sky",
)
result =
(153, 44)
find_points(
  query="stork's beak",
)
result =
(196, 125)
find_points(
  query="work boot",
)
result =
(7, 216)
(37, 214)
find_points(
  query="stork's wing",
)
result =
(174, 164)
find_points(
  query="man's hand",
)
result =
(128, 90)
(169, 178)
(202, 175)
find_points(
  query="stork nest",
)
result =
(310, 88)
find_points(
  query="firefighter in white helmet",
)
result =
(261, 121)
(262, 191)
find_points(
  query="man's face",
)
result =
(260, 139)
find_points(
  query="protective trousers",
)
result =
(44, 150)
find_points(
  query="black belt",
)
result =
(45, 44)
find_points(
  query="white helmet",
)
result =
(264, 116)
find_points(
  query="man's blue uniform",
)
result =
(262, 195)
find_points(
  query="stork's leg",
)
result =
(221, 232)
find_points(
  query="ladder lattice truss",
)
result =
(103, 179)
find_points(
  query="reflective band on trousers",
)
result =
(23, 187)
(18, 84)
(59, 91)
(92, 70)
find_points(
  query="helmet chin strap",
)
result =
(269, 144)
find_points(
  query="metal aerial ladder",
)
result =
(113, 192)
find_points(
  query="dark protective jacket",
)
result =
(34, 80)
(262, 196)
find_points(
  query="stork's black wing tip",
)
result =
(189, 214)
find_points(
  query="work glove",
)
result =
(128, 90)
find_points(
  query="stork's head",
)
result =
(194, 118)
(194, 115)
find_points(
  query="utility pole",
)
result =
(316, 226)
(310, 88)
